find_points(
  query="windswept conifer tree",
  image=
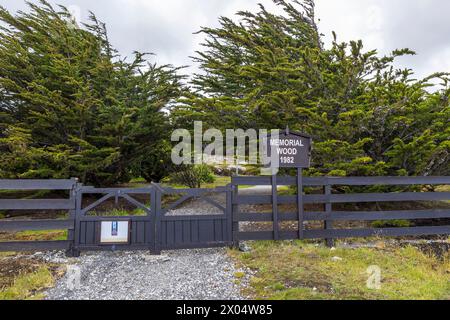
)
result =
(367, 118)
(70, 106)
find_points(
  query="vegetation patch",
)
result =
(24, 279)
(118, 213)
(213, 181)
(391, 224)
(43, 235)
(298, 270)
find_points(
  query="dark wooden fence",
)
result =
(35, 206)
(329, 215)
(158, 230)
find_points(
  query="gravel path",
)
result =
(200, 207)
(206, 274)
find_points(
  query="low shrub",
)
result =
(193, 176)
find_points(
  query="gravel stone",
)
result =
(205, 274)
(244, 247)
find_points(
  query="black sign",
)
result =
(290, 150)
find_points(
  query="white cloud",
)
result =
(166, 27)
(439, 61)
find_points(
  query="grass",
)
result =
(219, 181)
(300, 271)
(43, 235)
(28, 286)
(391, 224)
(22, 278)
(444, 189)
(7, 254)
(138, 180)
(119, 213)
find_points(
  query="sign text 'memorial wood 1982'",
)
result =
(290, 150)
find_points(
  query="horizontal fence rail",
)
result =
(44, 204)
(21, 246)
(38, 205)
(348, 198)
(329, 199)
(349, 215)
(36, 225)
(37, 184)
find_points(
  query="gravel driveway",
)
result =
(206, 274)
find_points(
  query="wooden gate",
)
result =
(141, 227)
(156, 228)
(186, 230)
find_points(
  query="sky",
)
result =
(166, 27)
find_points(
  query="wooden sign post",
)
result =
(289, 150)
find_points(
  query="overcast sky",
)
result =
(166, 27)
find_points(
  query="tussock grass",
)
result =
(301, 271)
(118, 213)
(42, 235)
(29, 286)
(444, 189)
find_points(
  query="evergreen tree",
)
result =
(366, 117)
(70, 106)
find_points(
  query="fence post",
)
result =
(74, 236)
(151, 216)
(276, 226)
(72, 213)
(235, 216)
(328, 211)
(300, 208)
(229, 213)
(157, 210)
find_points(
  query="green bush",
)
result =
(76, 108)
(193, 176)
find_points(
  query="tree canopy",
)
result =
(70, 106)
(366, 117)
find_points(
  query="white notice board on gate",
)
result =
(115, 232)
